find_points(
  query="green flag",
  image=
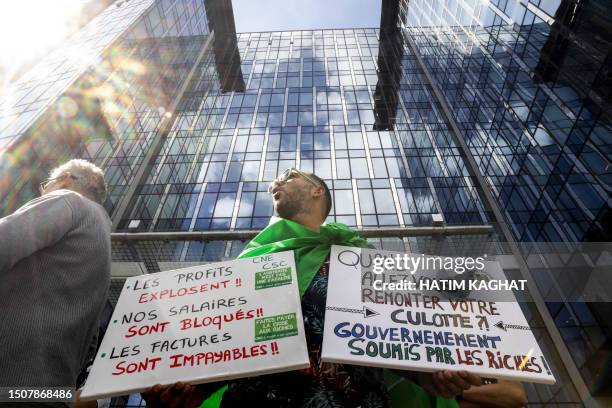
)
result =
(310, 250)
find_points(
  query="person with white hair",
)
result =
(54, 278)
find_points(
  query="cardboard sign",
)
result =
(201, 324)
(425, 331)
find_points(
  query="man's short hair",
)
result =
(89, 178)
(328, 197)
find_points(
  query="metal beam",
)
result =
(249, 234)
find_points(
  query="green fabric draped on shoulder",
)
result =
(310, 250)
(310, 247)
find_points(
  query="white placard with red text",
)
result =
(201, 324)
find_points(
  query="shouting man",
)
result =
(303, 202)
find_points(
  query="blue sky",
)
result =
(285, 15)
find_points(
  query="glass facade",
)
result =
(103, 96)
(529, 88)
(191, 122)
(528, 85)
(308, 103)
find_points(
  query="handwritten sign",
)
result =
(425, 331)
(202, 324)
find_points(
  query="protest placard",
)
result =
(200, 324)
(388, 320)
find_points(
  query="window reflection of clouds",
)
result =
(261, 68)
(263, 204)
(247, 203)
(225, 205)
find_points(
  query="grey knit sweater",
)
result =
(54, 280)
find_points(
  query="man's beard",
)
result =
(291, 205)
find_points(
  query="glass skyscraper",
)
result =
(528, 87)
(456, 127)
